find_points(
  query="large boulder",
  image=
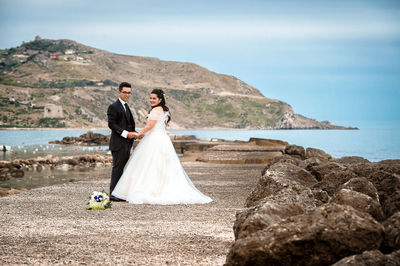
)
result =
(391, 229)
(391, 166)
(267, 142)
(350, 160)
(88, 139)
(320, 197)
(241, 154)
(17, 173)
(332, 181)
(362, 185)
(371, 258)
(285, 203)
(5, 164)
(4, 176)
(285, 158)
(278, 177)
(359, 201)
(317, 153)
(251, 220)
(319, 237)
(296, 150)
(388, 186)
(385, 177)
(320, 170)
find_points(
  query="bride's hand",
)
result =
(132, 135)
(140, 136)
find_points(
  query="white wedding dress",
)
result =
(154, 174)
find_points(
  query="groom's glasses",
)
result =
(125, 92)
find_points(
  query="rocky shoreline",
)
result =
(301, 205)
(311, 209)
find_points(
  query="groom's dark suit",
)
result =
(118, 121)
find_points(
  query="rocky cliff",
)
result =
(82, 81)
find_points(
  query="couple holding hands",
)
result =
(153, 173)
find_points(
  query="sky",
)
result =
(330, 60)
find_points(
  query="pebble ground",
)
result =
(50, 225)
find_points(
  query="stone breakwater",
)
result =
(87, 139)
(311, 209)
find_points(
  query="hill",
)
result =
(61, 83)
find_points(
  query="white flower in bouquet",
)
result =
(99, 201)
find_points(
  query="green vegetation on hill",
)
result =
(83, 81)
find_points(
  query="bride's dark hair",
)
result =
(160, 95)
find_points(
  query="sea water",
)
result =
(374, 141)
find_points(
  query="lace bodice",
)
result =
(161, 117)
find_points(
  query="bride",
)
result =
(154, 174)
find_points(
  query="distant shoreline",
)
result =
(211, 128)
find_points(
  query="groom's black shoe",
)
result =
(112, 198)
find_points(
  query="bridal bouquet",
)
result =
(99, 201)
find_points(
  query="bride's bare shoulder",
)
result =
(158, 110)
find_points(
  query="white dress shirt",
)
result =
(124, 133)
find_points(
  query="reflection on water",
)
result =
(42, 150)
(47, 177)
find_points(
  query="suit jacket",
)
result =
(118, 122)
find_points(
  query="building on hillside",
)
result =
(54, 55)
(69, 51)
(53, 111)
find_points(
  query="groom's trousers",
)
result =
(120, 158)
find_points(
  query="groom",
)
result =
(122, 125)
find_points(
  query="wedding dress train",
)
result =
(154, 174)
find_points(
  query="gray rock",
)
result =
(391, 229)
(362, 185)
(320, 170)
(295, 173)
(391, 166)
(319, 237)
(18, 173)
(278, 177)
(247, 148)
(267, 142)
(386, 179)
(87, 139)
(388, 186)
(371, 258)
(359, 201)
(251, 220)
(285, 203)
(182, 137)
(4, 176)
(285, 158)
(239, 157)
(311, 162)
(39, 168)
(16, 164)
(333, 181)
(296, 150)
(350, 160)
(320, 196)
(5, 164)
(320, 154)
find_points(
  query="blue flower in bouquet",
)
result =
(99, 201)
(98, 198)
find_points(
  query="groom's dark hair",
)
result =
(124, 84)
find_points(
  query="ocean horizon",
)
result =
(374, 141)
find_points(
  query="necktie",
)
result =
(127, 112)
